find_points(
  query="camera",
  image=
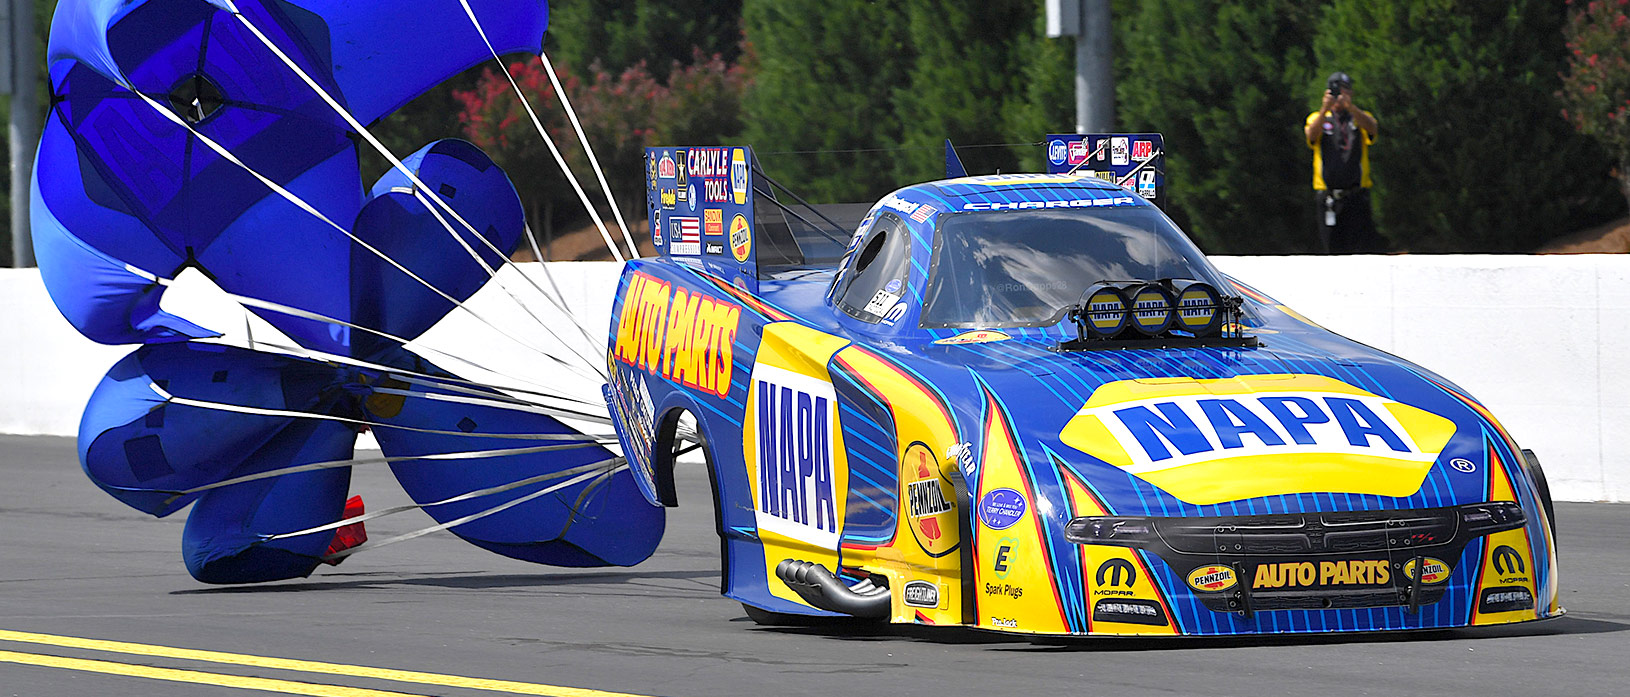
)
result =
(1335, 87)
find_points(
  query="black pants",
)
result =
(1354, 228)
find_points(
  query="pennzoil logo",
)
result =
(688, 338)
(1306, 574)
(928, 501)
(1433, 570)
(1212, 578)
(1208, 441)
(794, 419)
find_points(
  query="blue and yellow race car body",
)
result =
(889, 436)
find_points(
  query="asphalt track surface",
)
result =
(94, 601)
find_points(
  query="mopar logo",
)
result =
(795, 483)
(1056, 152)
(1111, 573)
(922, 594)
(1509, 565)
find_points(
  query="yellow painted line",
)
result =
(193, 676)
(408, 676)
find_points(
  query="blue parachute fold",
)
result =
(128, 191)
(122, 178)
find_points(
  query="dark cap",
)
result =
(1341, 78)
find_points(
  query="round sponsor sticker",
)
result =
(893, 286)
(999, 509)
(741, 238)
(690, 197)
(1055, 152)
(1212, 578)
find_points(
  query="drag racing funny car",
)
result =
(1027, 403)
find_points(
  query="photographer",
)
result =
(1340, 135)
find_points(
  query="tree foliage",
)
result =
(1225, 83)
(619, 34)
(621, 113)
(822, 97)
(1474, 154)
(1596, 86)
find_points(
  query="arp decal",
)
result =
(688, 338)
(1209, 441)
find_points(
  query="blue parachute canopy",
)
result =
(128, 190)
(127, 186)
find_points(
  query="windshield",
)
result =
(1024, 268)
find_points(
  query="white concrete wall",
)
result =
(1536, 338)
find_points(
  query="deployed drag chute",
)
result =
(223, 136)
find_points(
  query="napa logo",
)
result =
(794, 418)
(1209, 441)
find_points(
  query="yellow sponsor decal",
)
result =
(1212, 578)
(1210, 441)
(1506, 591)
(927, 533)
(1014, 578)
(928, 501)
(1433, 571)
(1120, 594)
(977, 336)
(688, 338)
(738, 176)
(792, 443)
(741, 237)
(1307, 574)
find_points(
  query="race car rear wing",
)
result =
(713, 206)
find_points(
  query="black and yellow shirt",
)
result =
(1341, 156)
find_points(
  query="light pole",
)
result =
(1089, 22)
(25, 125)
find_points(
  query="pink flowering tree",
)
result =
(1596, 85)
(621, 113)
